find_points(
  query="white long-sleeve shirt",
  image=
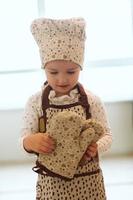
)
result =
(33, 111)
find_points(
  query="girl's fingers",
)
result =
(46, 147)
(45, 150)
(92, 150)
(87, 157)
(48, 139)
(91, 154)
(45, 144)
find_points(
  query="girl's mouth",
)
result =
(62, 86)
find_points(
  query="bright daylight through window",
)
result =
(109, 41)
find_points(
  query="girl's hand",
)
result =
(91, 152)
(39, 143)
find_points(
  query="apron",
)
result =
(87, 183)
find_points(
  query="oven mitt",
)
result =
(73, 135)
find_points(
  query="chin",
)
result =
(62, 92)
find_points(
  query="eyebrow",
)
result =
(74, 68)
(52, 69)
(70, 69)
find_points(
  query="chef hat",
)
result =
(60, 39)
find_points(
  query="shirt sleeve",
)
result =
(30, 118)
(99, 113)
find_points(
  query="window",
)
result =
(109, 43)
(109, 28)
(17, 46)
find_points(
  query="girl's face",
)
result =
(62, 76)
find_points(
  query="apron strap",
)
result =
(83, 100)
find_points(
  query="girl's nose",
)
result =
(62, 80)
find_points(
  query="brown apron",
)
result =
(90, 172)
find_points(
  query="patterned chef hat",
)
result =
(60, 39)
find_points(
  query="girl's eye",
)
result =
(71, 72)
(53, 72)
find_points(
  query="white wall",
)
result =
(120, 117)
(121, 121)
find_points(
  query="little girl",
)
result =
(61, 45)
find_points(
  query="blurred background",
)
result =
(108, 72)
